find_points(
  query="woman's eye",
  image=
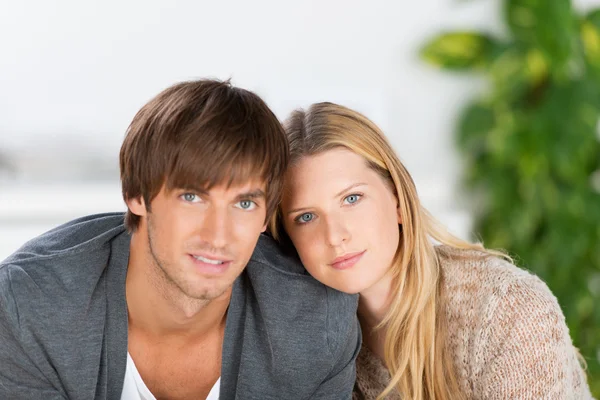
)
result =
(304, 218)
(353, 198)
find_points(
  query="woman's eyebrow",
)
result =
(295, 210)
(350, 187)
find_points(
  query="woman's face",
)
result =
(342, 218)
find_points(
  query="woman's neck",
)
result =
(373, 305)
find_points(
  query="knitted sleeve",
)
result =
(525, 351)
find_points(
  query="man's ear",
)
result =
(137, 206)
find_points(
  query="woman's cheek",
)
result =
(313, 251)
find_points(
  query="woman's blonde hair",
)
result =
(415, 350)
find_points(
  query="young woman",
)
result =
(441, 318)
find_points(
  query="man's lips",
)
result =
(210, 264)
(347, 260)
(210, 259)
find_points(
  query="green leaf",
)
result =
(590, 37)
(530, 151)
(475, 123)
(547, 25)
(509, 74)
(594, 17)
(459, 50)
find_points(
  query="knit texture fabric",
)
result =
(506, 334)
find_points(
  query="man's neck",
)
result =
(159, 309)
(176, 342)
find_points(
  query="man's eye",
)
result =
(247, 205)
(190, 197)
(304, 218)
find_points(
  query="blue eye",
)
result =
(353, 198)
(304, 218)
(190, 197)
(247, 205)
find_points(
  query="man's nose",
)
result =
(215, 227)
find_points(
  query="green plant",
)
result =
(531, 150)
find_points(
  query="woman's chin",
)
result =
(347, 287)
(346, 284)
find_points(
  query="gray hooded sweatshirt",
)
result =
(63, 322)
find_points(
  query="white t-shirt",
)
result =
(134, 387)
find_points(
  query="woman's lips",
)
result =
(347, 260)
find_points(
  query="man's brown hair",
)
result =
(198, 134)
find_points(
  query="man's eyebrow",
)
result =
(194, 190)
(253, 194)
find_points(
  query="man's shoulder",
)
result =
(56, 298)
(269, 254)
(295, 330)
(81, 235)
(284, 276)
(287, 294)
(63, 262)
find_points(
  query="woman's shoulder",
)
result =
(476, 275)
(372, 377)
(476, 285)
(504, 321)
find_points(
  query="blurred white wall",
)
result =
(73, 73)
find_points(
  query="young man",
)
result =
(181, 298)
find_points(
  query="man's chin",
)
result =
(209, 294)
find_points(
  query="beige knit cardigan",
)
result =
(506, 334)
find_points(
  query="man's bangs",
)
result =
(202, 170)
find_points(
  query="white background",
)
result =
(73, 73)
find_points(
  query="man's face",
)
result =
(200, 241)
